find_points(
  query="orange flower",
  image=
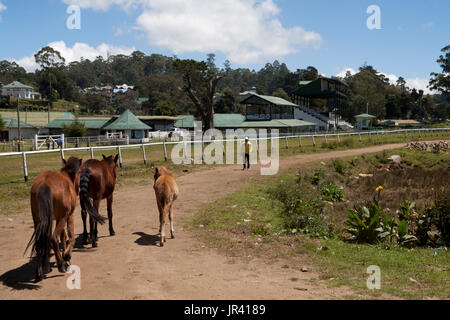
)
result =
(380, 188)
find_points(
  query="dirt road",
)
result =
(131, 266)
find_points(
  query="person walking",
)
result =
(247, 152)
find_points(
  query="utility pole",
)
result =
(50, 98)
(18, 124)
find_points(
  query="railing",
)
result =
(142, 146)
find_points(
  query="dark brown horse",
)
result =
(54, 197)
(97, 181)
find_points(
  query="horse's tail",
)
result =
(85, 202)
(40, 240)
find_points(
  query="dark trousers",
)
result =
(247, 161)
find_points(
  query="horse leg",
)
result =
(85, 233)
(172, 230)
(94, 231)
(163, 219)
(62, 265)
(63, 240)
(71, 232)
(110, 216)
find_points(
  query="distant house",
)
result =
(17, 89)
(330, 89)
(364, 121)
(122, 88)
(10, 131)
(268, 112)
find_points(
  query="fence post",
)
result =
(313, 141)
(287, 143)
(92, 154)
(184, 149)
(62, 156)
(326, 139)
(359, 134)
(339, 138)
(120, 157)
(300, 142)
(25, 168)
(63, 139)
(35, 144)
(165, 151)
(144, 155)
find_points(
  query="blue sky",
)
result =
(330, 35)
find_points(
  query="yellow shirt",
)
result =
(248, 147)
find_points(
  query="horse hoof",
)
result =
(173, 237)
(112, 233)
(94, 245)
(161, 244)
(63, 267)
(67, 257)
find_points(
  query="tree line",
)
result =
(173, 86)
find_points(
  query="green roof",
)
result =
(222, 120)
(12, 123)
(17, 85)
(260, 99)
(127, 121)
(89, 124)
(186, 121)
(282, 123)
(365, 116)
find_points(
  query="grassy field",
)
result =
(250, 223)
(14, 192)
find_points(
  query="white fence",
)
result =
(420, 132)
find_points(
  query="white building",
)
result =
(17, 89)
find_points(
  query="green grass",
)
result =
(248, 222)
(14, 192)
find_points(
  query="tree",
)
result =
(200, 84)
(441, 81)
(165, 108)
(126, 101)
(2, 123)
(227, 102)
(280, 93)
(75, 130)
(49, 58)
(51, 80)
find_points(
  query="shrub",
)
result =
(75, 130)
(298, 211)
(331, 192)
(318, 175)
(366, 223)
(339, 167)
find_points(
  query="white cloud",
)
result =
(75, 53)
(247, 31)
(2, 8)
(417, 83)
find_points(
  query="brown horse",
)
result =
(166, 191)
(97, 181)
(53, 197)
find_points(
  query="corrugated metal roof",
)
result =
(186, 121)
(127, 121)
(288, 123)
(270, 100)
(233, 120)
(17, 85)
(12, 123)
(365, 115)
